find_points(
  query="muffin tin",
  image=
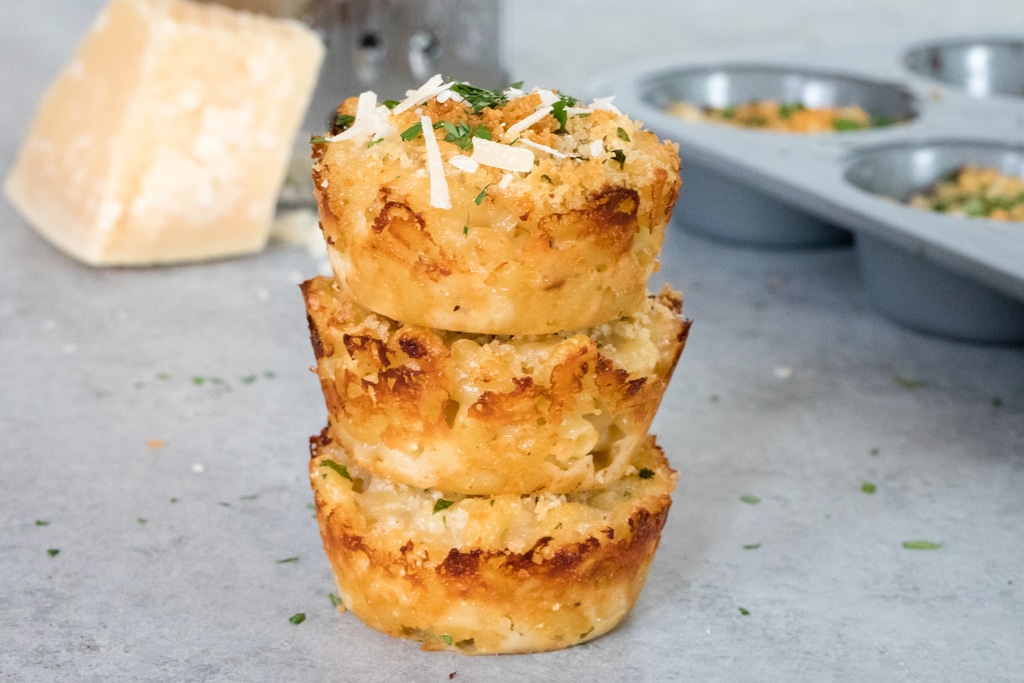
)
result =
(958, 101)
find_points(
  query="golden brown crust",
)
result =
(486, 415)
(568, 245)
(489, 574)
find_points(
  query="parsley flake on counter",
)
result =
(335, 600)
(752, 546)
(42, 522)
(750, 499)
(53, 552)
(868, 487)
(921, 545)
(337, 467)
(744, 611)
(297, 618)
(141, 520)
(908, 383)
(442, 504)
(288, 559)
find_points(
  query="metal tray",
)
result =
(958, 100)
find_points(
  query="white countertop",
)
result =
(792, 389)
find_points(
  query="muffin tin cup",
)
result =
(960, 277)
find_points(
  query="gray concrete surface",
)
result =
(792, 389)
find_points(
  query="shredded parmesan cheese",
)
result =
(368, 118)
(605, 103)
(432, 88)
(505, 157)
(439, 197)
(464, 163)
(543, 148)
(533, 118)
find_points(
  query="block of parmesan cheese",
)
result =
(167, 137)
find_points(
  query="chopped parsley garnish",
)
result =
(343, 121)
(558, 111)
(868, 487)
(335, 600)
(623, 135)
(297, 618)
(371, 143)
(646, 473)
(462, 134)
(337, 467)
(288, 559)
(390, 104)
(750, 499)
(847, 124)
(53, 552)
(447, 639)
(921, 545)
(546, 178)
(619, 156)
(412, 132)
(317, 140)
(786, 110)
(479, 198)
(442, 504)
(480, 98)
